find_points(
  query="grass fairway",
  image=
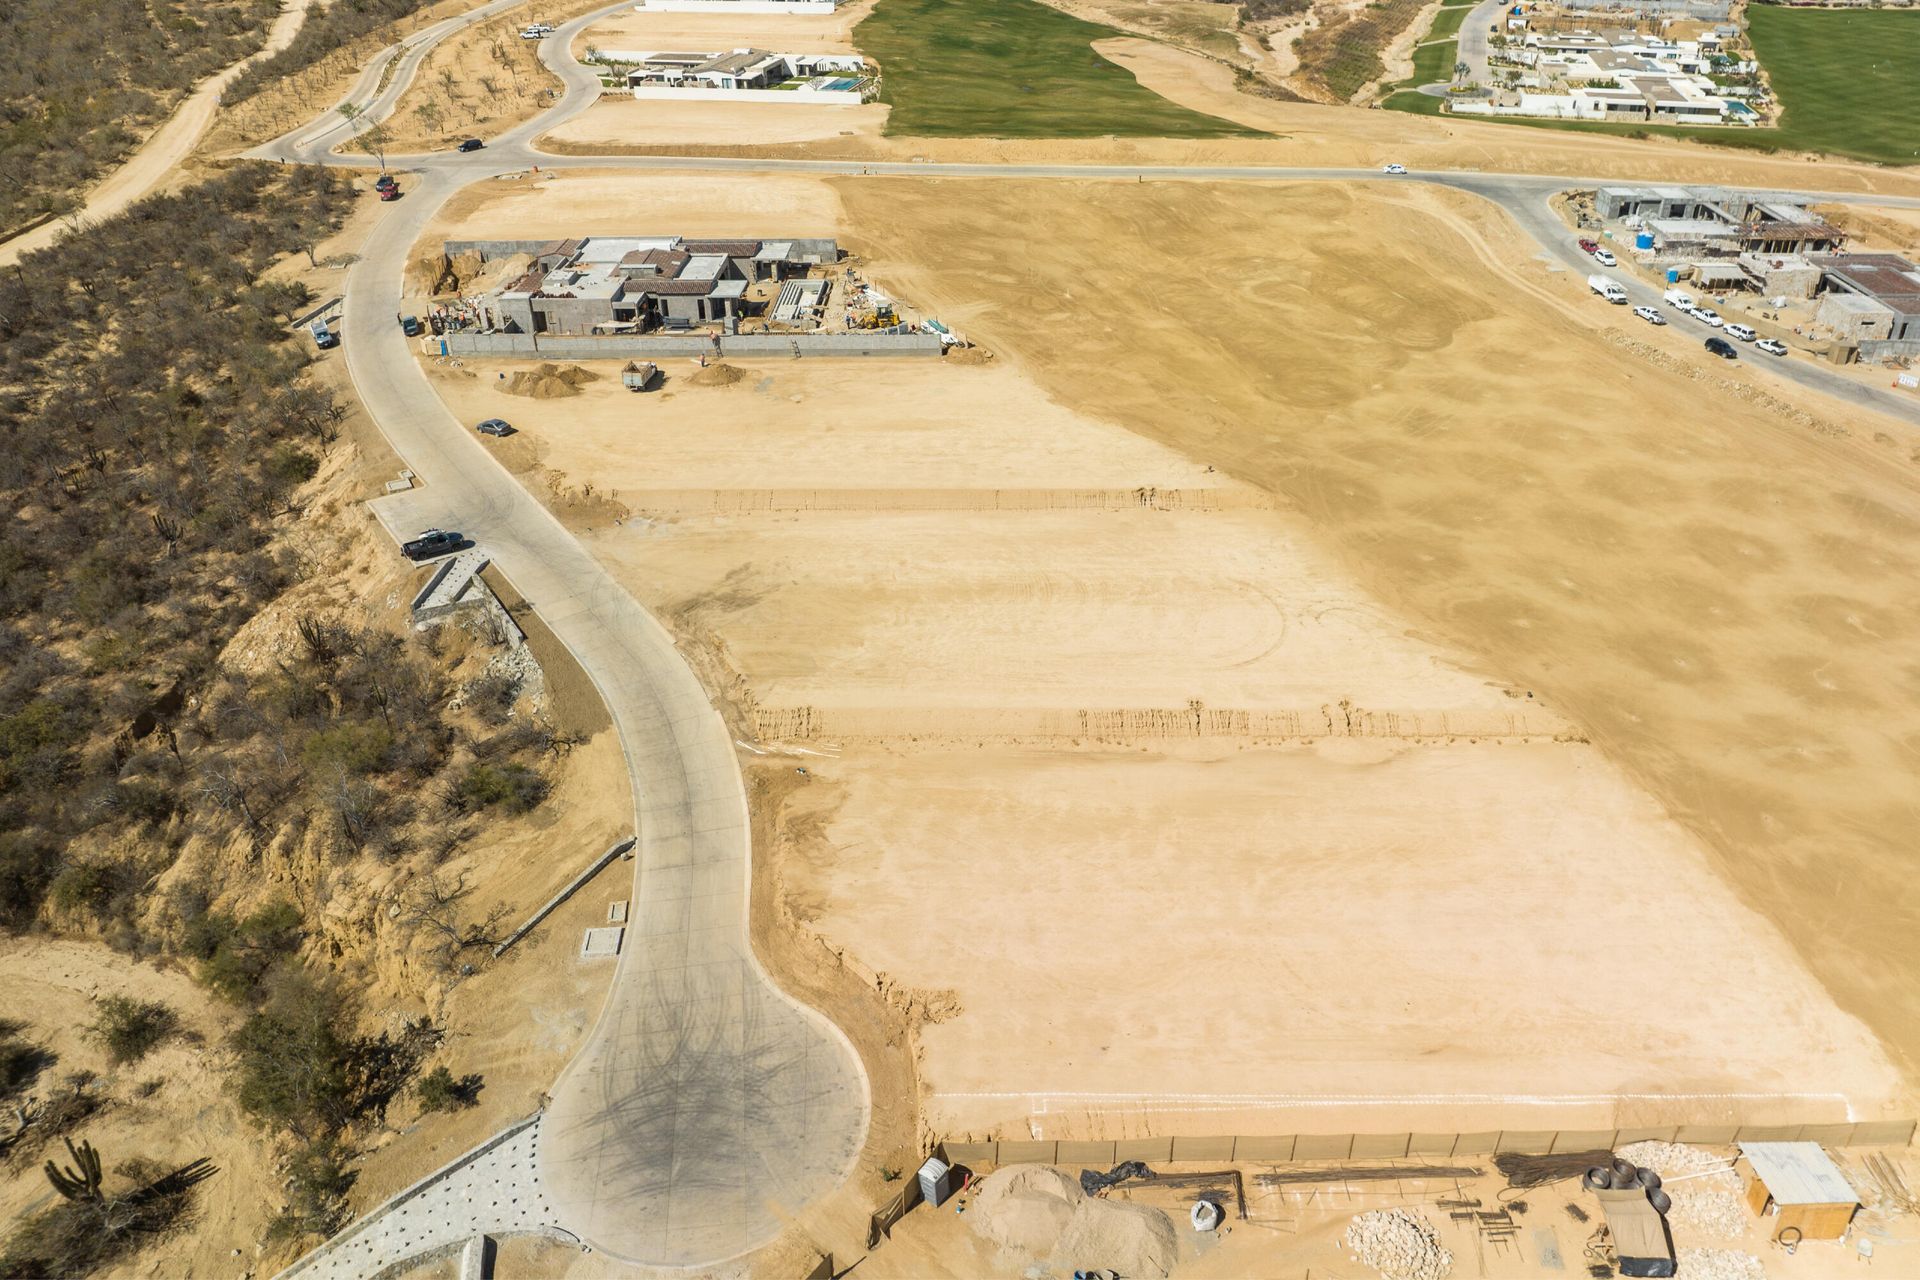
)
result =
(1012, 69)
(1848, 79)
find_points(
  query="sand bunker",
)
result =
(549, 381)
(718, 374)
(1040, 1212)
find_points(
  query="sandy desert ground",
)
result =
(1441, 535)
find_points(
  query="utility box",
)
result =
(936, 1181)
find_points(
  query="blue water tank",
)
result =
(1673, 275)
(1644, 240)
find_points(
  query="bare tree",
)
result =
(435, 905)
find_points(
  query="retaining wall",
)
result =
(826, 97)
(745, 346)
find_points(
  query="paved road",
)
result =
(706, 1107)
(1474, 31)
(157, 158)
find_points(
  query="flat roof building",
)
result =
(1886, 279)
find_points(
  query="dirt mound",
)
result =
(549, 381)
(969, 355)
(1025, 1207)
(717, 374)
(1109, 1235)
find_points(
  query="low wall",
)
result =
(1886, 348)
(738, 6)
(819, 97)
(1401, 1146)
(654, 346)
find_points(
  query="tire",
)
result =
(1648, 1179)
(1598, 1179)
(1623, 1172)
(1660, 1201)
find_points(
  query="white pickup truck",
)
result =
(1608, 288)
(1679, 298)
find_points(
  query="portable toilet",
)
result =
(1673, 275)
(936, 1181)
(1644, 240)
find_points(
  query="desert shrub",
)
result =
(292, 465)
(21, 1061)
(318, 1181)
(237, 953)
(77, 1237)
(28, 864)
(351, 749)
(130, 1029)
(293, 1068)
(512, 787)
(99, 887)
(441, 1090)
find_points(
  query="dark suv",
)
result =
(472, 144)
(431, 543)
(1722, 348)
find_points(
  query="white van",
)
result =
(1741, 332)
(1679, 298)
(1608, 288)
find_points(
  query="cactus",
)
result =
(82, 1182)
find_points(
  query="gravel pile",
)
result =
(1671, 1159)
(1400, 1245)
(1719, 1264)
(1717, 1214)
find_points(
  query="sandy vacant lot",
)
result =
(612, 203)
(1423, 483)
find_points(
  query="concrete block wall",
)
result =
(652, 347)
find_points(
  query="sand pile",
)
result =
(1399, 1244)
(717, 374)
(1042, 1214)
(968, 355)
(1023, 1207)
(1111, 1235)
(549, 381)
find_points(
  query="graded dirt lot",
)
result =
(1435, 529)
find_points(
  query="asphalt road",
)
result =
(706, 1107)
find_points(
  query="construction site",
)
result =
(1060, 694)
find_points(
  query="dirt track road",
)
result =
(157, 158)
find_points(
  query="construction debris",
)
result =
(1712, 1211)
(1720, 1264)
(1399, 1244)
(1527, 1172)
(1890, 1183)
(1093, 1182)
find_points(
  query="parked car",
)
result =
(1589, 246)
(1650, 314)
(495, 427)
(1605, 258)
(410, 325)
(1741, 332)
(1708, 318)
(431, 543)
(1771, 347)
(1679, 298)
(470, 144)
(1722, 348)
(385, 181)
(1608, 288)
(536, 31)
(323, 337)
(390, 193)
(1395, 168)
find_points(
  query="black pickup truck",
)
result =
(433, 542)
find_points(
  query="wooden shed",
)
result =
(1799, 1182)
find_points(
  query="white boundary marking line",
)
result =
(1040, 1103)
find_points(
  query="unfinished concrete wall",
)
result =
(624, 347)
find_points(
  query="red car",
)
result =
(1588, 246)
(390, 193)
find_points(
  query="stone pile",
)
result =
(1716, 1214)
(1399, 1244)
(1672, 1159)
(1720, 1264)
